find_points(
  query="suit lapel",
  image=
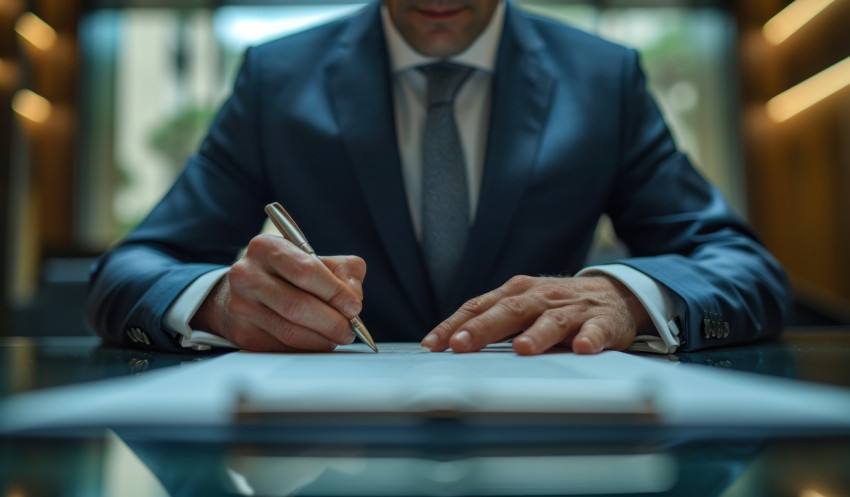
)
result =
(361, 92)
(522, 87)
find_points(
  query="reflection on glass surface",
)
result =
(124, 473)
(448, 457)
(153, 79)
(508, 475)
(113, 463)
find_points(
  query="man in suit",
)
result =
(471, 219)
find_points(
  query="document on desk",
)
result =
(403, 378)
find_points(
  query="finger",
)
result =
(439, 339)
(253, 290)
(554, 326)
(506, 317)
(304, 271)
(594, 336)
(292, 335)
(306, 311)
(348, 269)
(253, 338)
(255, 326)
(249, 337)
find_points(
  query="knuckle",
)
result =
(259, 245)
(279, 328)
(238, 274)
(302, 270)
(555, 292)
(286, 333)
(519, 282)
(341, 295)
(444, 329)
(557, 316)
(514, 306)
(294, 309)
(473, 306)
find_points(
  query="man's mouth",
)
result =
(439, 13)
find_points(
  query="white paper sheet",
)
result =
(409, 378)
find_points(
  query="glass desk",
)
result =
(427, 455)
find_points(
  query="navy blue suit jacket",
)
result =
(573, 134)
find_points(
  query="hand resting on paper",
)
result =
(587, 313)
(279, 298)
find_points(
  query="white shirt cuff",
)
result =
(660, 303)
(183, 309)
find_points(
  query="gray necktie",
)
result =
(445, 199)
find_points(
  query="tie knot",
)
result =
(444, 81)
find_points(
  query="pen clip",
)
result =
(287, 226)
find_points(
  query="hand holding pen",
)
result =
(278, 297)
(290, 230)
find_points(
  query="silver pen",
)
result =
(287, 227)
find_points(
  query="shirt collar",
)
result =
(481, 54)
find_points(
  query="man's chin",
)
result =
(440, 45)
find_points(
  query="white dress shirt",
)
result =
(472, 113)
(471, 106)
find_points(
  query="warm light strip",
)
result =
(811, 493)
(792, 18)
(35, 31)
(31, 106)
(811, 91)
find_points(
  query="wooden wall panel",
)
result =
(38, 61)
(10, 79)
(798, 171)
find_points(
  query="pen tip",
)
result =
(363, 333)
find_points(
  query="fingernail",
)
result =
(351, 310)
(463, 338)
(429, 342)
(349, 339)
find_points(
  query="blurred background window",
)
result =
(153, 79)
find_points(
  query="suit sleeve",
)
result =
(210, 213)
(681, 232)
